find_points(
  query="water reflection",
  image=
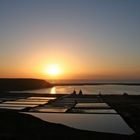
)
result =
(110, 123)
(88, 89)
(53, 90)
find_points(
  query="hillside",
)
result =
(7, 84)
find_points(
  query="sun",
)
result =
(53, 70)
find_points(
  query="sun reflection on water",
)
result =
(53, 90)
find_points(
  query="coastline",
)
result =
(82, 84)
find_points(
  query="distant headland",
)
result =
(7, 84)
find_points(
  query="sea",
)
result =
(90, 89)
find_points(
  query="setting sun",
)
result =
(53, 70)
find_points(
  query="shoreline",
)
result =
(82, 84)
(20, 84)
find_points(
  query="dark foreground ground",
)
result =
(128, 106)
(15, 125)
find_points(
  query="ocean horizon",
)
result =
(73, 81)
(89, 89)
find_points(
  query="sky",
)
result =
(86, 39)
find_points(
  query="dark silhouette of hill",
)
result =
(21, 126)
(7, 84)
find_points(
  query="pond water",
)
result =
(110, 123)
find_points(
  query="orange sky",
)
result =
(86, 39)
